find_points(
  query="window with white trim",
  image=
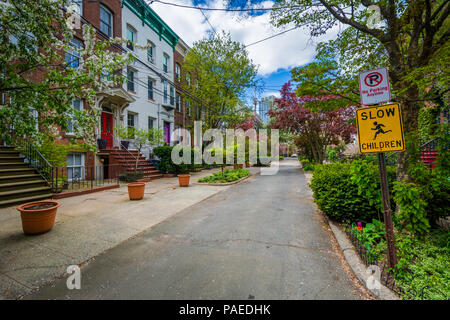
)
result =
(131, 74)
(73, 57)
(166, 63)
(75, 166)
(151, 52)
(178, 71)
(77, 105)
(106, 21)
(131, 37)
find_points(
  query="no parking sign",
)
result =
(374, 86)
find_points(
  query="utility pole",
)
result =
(255, 101)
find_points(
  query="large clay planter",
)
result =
(136, 190)
(38, 216)
(248, 165)
(183, 179)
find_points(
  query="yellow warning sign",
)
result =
(380, 128)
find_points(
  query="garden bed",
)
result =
(225, 177)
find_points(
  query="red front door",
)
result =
(107, 128)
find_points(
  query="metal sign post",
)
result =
(390, 240)
(380, 129)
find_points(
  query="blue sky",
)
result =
(275, 57)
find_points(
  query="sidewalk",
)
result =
(85, 227)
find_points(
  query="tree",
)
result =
(223, 72)
(412, 38)
(36, 42)
(314, 130)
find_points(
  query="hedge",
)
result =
(345, 194)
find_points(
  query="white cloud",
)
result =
(274, 93)
(291, 49)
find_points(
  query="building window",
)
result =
(178, 102)
(188, 79)
(151, 52)
(106, 21)
(77, 105)
(151, 123)
(178, 71)
(75, 166)
(166, 63)
(172, 96)
(165, 94)
(131, 37)
(131, 124)
(73, 57)
(188, 108)
(130, 80)
(150, 88)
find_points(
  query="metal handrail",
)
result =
(34, 158)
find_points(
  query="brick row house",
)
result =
(150, 96)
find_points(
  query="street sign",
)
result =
(380, 128)
(374, 86)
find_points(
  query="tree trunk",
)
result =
(410, 114)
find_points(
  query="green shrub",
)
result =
(166, 165)
(423, 268)
(344, 196)
(226, 176)
(308, 167)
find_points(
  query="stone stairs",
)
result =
(127, 160)
(18, 182)
(429, 157)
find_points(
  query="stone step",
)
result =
(14, 194)
(19, 185)
(10, 202)
(15, 171)
(19, 178)
(11, 159)
(13, 165)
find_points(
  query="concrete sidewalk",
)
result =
(86, 226)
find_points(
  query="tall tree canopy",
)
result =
(411, 38)
(39, 79)
(317, 129)
(223, 72)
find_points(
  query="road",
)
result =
(260, 239)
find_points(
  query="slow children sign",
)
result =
(380, 128)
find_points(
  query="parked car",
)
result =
(294, 155)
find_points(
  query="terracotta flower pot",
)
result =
(183, 179)
(136, 190)
(248, 165)
(38, 216)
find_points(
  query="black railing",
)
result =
(34, 158)
(79, 178)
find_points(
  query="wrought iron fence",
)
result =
(386, 276)
(78, 178)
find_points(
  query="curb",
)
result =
(359, 269)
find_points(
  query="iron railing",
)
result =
(79, 178)
(34, 158)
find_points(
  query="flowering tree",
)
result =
(43, 71)
(316, 129)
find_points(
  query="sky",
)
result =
(275, 57)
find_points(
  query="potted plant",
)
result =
(38, 216)
(141, 138)
(101, 143)
(136, 190)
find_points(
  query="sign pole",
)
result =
(392, 258)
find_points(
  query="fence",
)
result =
(386, 277)
(77, 178)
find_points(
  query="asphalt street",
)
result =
(260, 239)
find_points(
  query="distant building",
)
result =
(265, 105)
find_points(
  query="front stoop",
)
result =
(126, 159)
(18, 182)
